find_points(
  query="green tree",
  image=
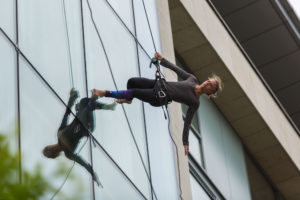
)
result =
(34, 184)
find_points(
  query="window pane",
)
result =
(8, 74)
(198, 192)
(195, 148)
(43, 39)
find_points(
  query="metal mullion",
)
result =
(18, 94)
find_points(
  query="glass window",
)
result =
(8, 76)
(198, 193)
(43, 39)
(113, 130)
(51, 36)
(195, 147)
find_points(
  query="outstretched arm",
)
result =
(73, 96)
(104, 106)
(180, 72)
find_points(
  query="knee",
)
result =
(131, 83)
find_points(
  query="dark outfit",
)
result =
(181, 91)
(69, 135)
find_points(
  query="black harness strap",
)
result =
(160, 87)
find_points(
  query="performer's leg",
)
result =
(146, 95)
(121, 94)
(83, 163)
(142, 83)
(73, 96)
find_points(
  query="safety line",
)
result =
(143, 104)
(84, 49)
(68, 41)
(61, 100)
(86, 90)
(170, 134)
(145, 10)
(115, 84)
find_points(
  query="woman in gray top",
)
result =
(187, 91)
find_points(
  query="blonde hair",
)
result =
(219, 86)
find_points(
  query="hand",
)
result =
(74, 94)
(158, 56)
(186, 149)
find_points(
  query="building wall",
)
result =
(43, 37)
(223, 153)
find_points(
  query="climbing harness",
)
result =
(160, 89)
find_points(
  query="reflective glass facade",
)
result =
(60, 40)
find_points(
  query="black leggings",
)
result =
(143, 89)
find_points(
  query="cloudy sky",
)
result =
(296, 6)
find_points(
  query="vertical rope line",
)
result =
(18, 94)
(149, 25)
(91, 158)
(86, 90)
(84, 49)
(115, 84)
(68, 42)
(143, 104)
(170, 133)
(178, 169)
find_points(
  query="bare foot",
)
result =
(120, 101)
(99, 93)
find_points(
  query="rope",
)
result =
(149, 25)
(115, 84)
(86, 90)
(61, 100)
(143, 104)
(170, 134)
(68, 42)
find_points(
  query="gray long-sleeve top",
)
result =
(183, 92)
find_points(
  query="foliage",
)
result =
(34, 184)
